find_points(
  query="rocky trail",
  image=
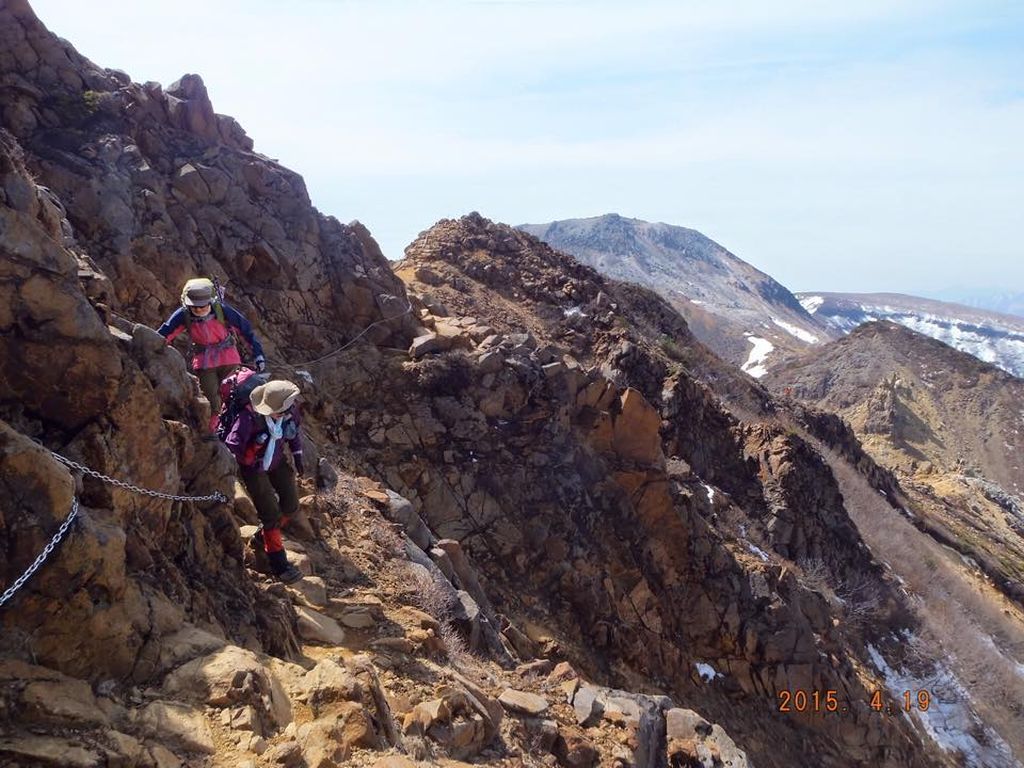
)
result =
(546, 525)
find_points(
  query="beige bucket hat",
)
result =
(274, 397)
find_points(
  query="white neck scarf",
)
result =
(275, 426)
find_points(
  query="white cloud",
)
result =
(870, 137)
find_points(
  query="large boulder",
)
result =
(692, 740)
(233, 677)
(636, 430)
(175, 724)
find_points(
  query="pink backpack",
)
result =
(234, 396)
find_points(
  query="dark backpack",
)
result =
(234, 396)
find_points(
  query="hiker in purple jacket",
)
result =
(257, 439)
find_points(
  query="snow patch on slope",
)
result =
(758, 551)
(949, 719)
(711, 493)
(755, 364)
(707, 672)
(793, 330)
(811, 303)
(989, 340)
(968, 339)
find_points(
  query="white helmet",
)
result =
(198, 292)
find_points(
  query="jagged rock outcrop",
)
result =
(99, 408)
(158, 188)
(556, 515)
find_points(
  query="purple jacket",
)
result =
(248, 438)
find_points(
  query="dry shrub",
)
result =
(437, 598)
(455, 645)
(862, 600)
(432, 596)
(816, 575)
(387, 538)
(449, 373)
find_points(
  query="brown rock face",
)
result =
(45, 316)
(132, 568)
(635, 436)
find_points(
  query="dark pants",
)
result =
(274, 493)
(209, 383)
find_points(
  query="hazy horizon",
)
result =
(837, 148)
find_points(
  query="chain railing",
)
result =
(218, 497)
(346, 345)
(20, 581)
(59, 535)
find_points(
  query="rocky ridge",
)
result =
(538, 534)
(144, 640)
(505, 278)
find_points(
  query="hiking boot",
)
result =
(289, 575)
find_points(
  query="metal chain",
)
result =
(48, 549)
(339, 350)
(20, 581)
(220, 497)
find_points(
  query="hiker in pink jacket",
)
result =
(212, 327)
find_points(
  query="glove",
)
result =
(300, 468)
(260, 363)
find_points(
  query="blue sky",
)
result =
(837, 146)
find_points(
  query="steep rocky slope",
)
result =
(762, 483)
(990, 336)
(738, 311)
(541, 531)
(949, 425)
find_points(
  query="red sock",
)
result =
(272, 540)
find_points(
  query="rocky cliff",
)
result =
(938, 432)
(546, 527)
